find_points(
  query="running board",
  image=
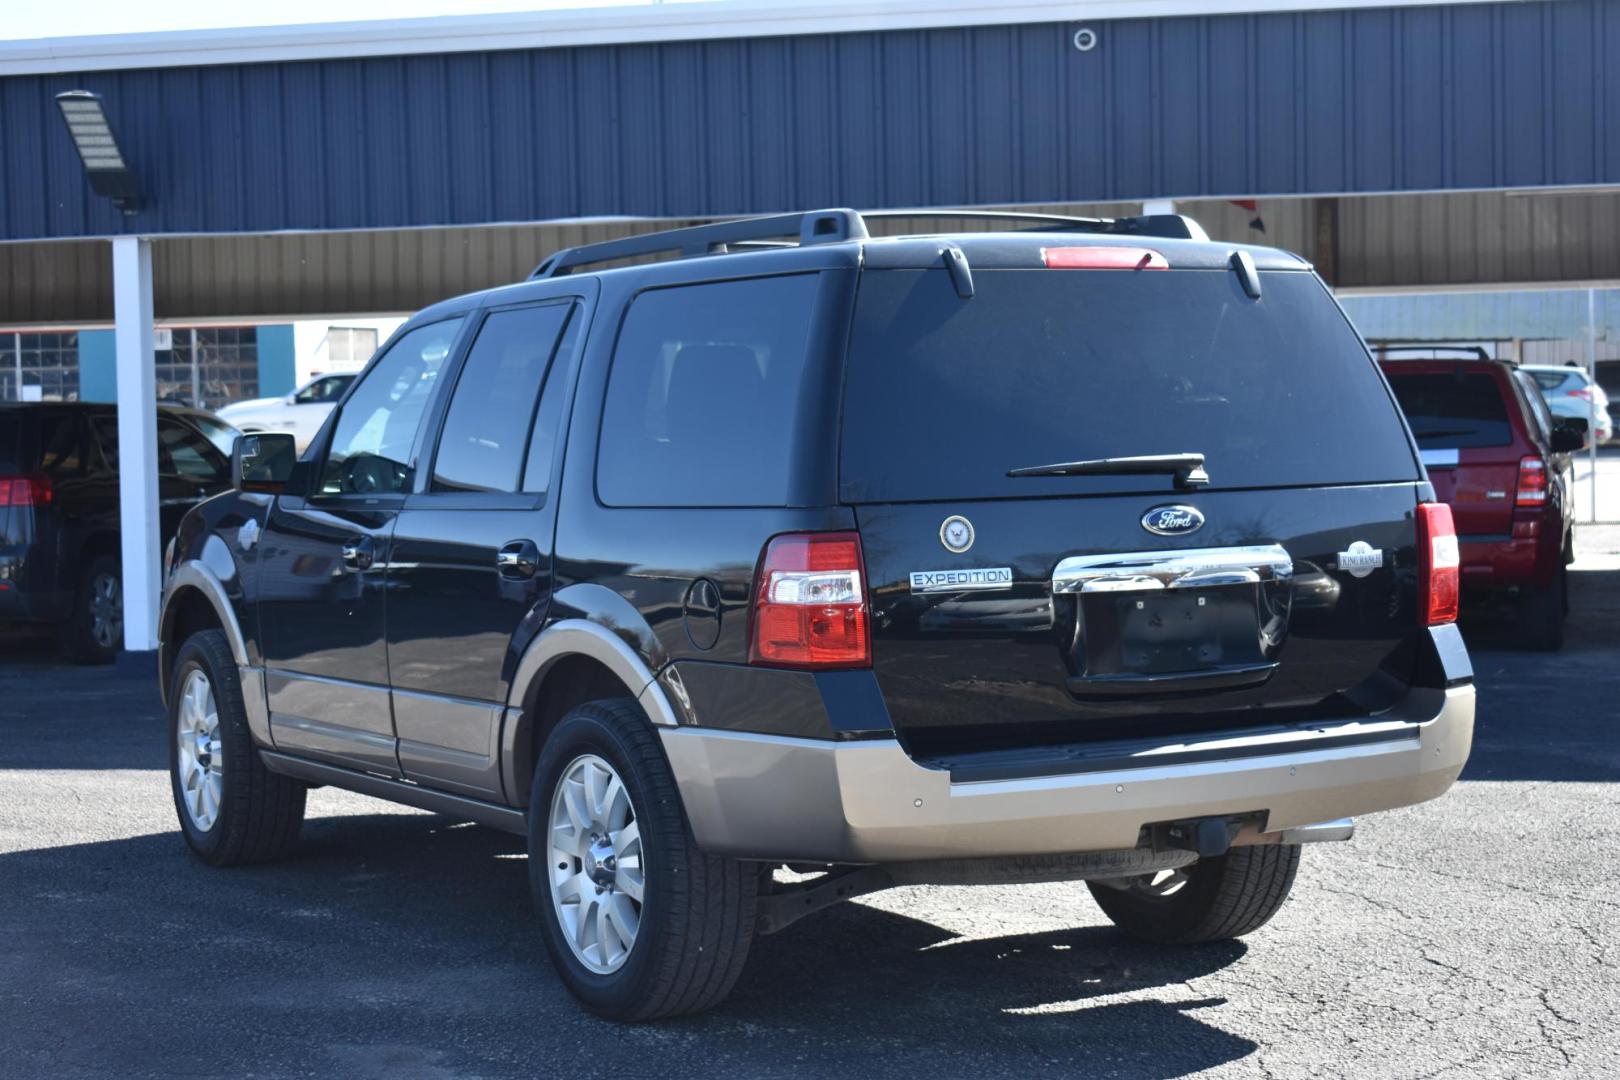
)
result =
(504, 818)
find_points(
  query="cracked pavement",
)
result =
(1470, 937)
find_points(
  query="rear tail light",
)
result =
(1532, 482)
(1103, 258)
(1439, 563)
(25, 490)
(810, 607)
(1583, 394)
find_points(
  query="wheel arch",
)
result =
(583, 657)
(195, 599)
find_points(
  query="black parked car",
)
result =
(59, 529)
(1095, 551)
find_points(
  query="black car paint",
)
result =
(45, 548)
(631, 570)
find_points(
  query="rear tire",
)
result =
(1224, 897)
(691, 928)
(94, 630)
(1541, 613)
(232, 809)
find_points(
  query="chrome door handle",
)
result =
(519, 560)
(1190, 568)
(359, 554)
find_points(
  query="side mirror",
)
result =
(1569, 434)
(263, 462)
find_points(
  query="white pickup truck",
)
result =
(299, 414)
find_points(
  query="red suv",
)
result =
(1501, 459)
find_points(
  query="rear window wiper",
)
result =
(1188, 468)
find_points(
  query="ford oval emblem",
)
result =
(1173, 520)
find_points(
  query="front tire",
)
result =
(1211, 900)
(639, 922)
(232, 809)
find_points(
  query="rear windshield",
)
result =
(41, 439)
(1458, 409)
(1552, 380)
(944, 395)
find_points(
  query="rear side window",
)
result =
(548, 416)
(61, 444)
(1540, 414)
(486, 429)
(1453, 410)
(704, 392)
(944, 395)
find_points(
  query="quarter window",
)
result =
(486, 429)
(702, 401)
(371, 445)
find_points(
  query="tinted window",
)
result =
(11, 422)
(371, 445)
(1537, 405)
(105, 429)
(221, 434)
(1549, 380)
(548, 417)
(183, 452)
(704, 392)
(1608, 373)
(61, 444)
(1458, 409)
(486, 429)
(328, 389)
(944, 395)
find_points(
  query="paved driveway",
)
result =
(1476, 936)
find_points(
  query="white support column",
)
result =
(1591, 397)
(137, 440)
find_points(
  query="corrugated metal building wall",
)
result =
(1413, 99)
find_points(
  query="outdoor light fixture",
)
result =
(109, 173)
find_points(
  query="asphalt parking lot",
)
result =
(1475, 936)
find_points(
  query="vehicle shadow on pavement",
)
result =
(1043, 991)
(412, 931)
(1548, 716)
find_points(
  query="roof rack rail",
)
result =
(833, 226)
(1170, 226)
(814, 227)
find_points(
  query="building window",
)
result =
(210, 366)
(39, 366)
(347, 348)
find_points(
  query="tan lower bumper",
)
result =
(770, 797)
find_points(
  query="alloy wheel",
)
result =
(106, 610)
(595, 864)
(201, 761)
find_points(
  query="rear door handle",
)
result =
(519, 560)
(359, 554)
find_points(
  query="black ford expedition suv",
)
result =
(786, 570)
